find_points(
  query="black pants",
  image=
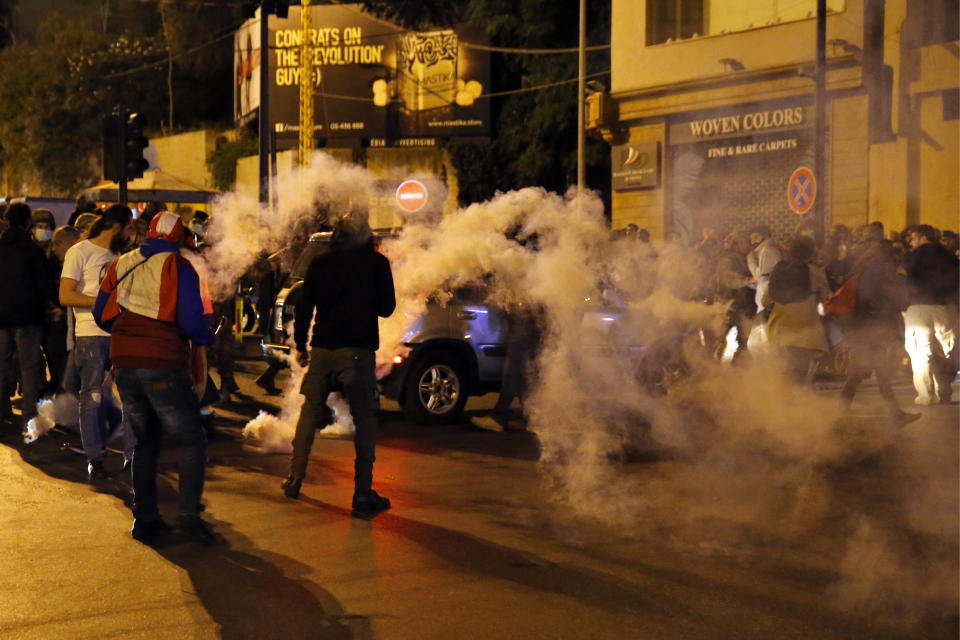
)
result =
(351, 371)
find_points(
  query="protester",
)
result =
(349, 286)
(523, 342)
(761, 260)
(83, 268)
(24, 291)
(931, 318)
(84, 222)
(81, 207)
(43, 225)
(55, 345)
(794, 324)
(733, 288)
(836, 256)
(951, 242)
(874, 331)
(150, 303)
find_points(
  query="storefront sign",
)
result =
(636, 166)
(746, 122)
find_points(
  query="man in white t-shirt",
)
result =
(83, 268)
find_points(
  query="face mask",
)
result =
(42, 235)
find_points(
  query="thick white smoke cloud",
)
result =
(744, 458)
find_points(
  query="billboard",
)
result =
(372, 80)
(246, 70)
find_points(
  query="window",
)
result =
(671, 20)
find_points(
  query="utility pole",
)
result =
(581, 90)
(305, 149)
(820, 130)
(264, 103)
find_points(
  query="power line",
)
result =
(497, 94)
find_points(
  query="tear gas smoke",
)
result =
(274, 433)
(63, 409)
(41, 423)
(745, 457)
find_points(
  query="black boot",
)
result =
(367, 504)
(291, 486)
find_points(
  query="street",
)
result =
(473, 547)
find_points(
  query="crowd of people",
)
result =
(861, 302)
(113, 300)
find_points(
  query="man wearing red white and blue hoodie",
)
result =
(150, 302)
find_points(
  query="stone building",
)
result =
(711, 113)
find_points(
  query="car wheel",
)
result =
(435, 391)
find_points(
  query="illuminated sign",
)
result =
(372, 79)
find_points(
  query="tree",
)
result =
(55, 93)
(53, 98)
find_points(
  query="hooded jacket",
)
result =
(150, 303)
(25, 286)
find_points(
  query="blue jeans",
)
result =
(157, 401)
(27, 339)
(91, 360)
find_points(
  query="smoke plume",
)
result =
(744, 458)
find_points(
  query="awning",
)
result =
(154, 185)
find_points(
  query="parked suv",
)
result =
(456, 350)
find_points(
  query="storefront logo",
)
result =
(634, 157)
(738, 124)
(636, 166)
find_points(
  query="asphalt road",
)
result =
(473, 547)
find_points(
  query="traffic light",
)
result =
(278, 7)
(112, 148)
(134, 142)
(123, 145)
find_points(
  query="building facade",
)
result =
(710, 115)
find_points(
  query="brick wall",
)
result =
(736, 193)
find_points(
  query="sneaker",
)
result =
(489, 423)
(194, 529)
(367, 504)
(96, 470)
(148, 529)
(291, 486)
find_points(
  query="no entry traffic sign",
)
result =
(411, 195)
(801, 190)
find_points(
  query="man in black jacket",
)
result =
(24, 292)
(931, 318)
(349, 286)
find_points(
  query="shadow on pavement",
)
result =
(252, 593)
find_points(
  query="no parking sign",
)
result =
(801, 190)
